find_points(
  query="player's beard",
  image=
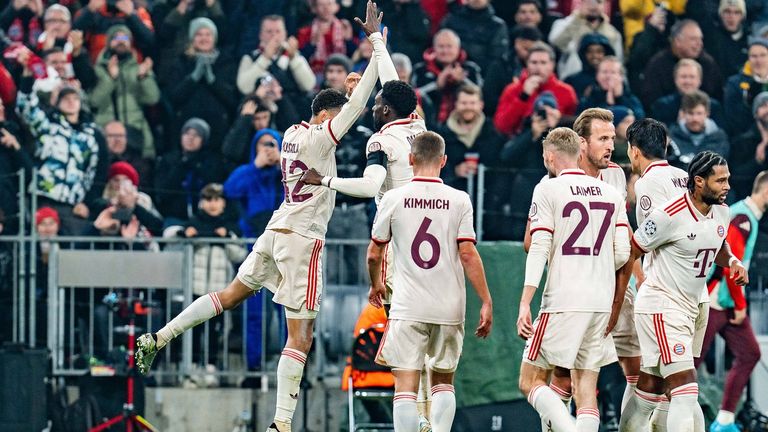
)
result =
(709, 197)
(378, 123)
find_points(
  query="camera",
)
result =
(123, 215)
(271, 143)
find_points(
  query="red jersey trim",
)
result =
(549, 230)
(690, 207)
(624, 225)
(637, 245)
(654, 165)
(675, 207)
(469, 239)
(330, 131)
(613, 165)
(305, 124)
(396, 122)
(572, 172)
(379, 242)
(427, 179)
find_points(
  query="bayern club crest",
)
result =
(534, 209)
(679, 349)
(645, 202)
(720, 230)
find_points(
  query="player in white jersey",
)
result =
(685, 237)
(431, 229)
(287, 258)
(579, 226)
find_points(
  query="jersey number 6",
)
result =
(569, 247)
(423, 236)
(294, 195)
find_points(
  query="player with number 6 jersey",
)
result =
(579, 226)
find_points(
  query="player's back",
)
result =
(658, 183)
(427, 220)
(583, 214)
(306, 209)
(395, 139)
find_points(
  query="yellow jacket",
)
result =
(635, 12)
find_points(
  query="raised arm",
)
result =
(351, 110)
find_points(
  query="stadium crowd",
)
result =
(128, 109)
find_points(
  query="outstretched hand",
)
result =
(373, 19)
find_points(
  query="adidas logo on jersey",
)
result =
(691, 236)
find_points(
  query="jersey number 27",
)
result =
(569, 246)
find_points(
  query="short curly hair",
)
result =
(400, 96)
(328, 99)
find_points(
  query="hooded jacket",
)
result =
(483, 35)
(70, 158)
(586, 76)
(259, 190)
(124, 97)
(740, 91)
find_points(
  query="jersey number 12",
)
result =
(294, 195)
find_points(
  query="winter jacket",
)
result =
(294, 74)
(259, 190)
(124, 98)
(667, 108)
(180, 176)
(586, 76)
(740, 91)
(70, 158)
(500, 74)
(213, 262)
(212, 102)
(21, 25)
(635, 12)
(514, 106)
(408, 27)
(483, 35)
(597, 98)
(687, 145)
(244, 21)
(425, 80)
(729, 54)
(658, 76)
(646, 44)
(96, 24)
(566, 35)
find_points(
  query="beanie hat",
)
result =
(338, 60)
(200, 126)
(732, 3)
(67, 90)
(757, 41)
(45, 213)
(118, 28)
(620, 112)
(545, 98)
(126, 169)
(201, 22)
(760, 100)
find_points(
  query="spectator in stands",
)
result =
(80, 60)
(173, 26)
(71, 154)
(257, 185)
(445, 68)
(57, 22)
(688, 76)
(695, 131)
(408, 26)
(424, 106)
(7, 88)
(636, 13)
(623, 117)
(58, 73)
(12, 159)
(470, 139)
(726, 39)
(277, 55)
(335, 72)
(517, 101)
(687, 41)
(593, 48)
(202, 83)
(254, 117)
(96, 18)
(122, 191)
(125, 87)
(182, 173)
(483, 35)
(652, 38)
(326, 35)
(507, 68)
(748, 150)
(530, 13)
(611, 89)
(567, 33)
(125, 147)
(21, 21)
(741, 89)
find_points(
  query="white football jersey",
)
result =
(614, 176)
(583, 214)
(659, 183)
(426, 220)
(306, 209)
(683, 244)
(395, 139)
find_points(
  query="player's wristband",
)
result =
(731, 261)
(326, 181)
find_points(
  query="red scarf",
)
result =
(332, 41)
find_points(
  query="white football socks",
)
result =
(290, 369)
(587, 420)
(565, 396)
(201, 310)
(404, 412)
(636, 415)
(443, 408)
(629, 390)
(725, 417)
(660, 415)
(551, 409)
(682, 408)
